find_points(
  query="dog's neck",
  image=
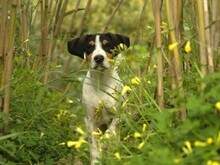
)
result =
(101, 79)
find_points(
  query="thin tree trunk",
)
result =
(176, 59)
(3, 34)
(9, 60)
(157, 17)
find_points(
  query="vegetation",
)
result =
(171, 73)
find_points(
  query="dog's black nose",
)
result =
(99, 59)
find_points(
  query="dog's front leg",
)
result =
(94, 149)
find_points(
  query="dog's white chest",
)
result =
(98, 98)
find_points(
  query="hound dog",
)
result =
(101, 82)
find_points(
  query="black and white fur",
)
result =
(101, 82)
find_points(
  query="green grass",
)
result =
(43, 119)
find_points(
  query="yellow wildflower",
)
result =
(137, 135)
(79, 130)
(172, 46)
(217, 105)
(187, 149)
(163, 25)
(125, 89)
(41, 134)
(210, 162)
(99, 132)
(124, 103)
(68, 100)
(127, 137)
(149, 82)
(140, 145)
(136, 80)
(149, 27)
(62, 113)
(177, 160)
(77, 144)
(155, 66)
(218, 138)
(199, 144)
(117, 155)
(187, 47)
(209, 140)
(144, 127)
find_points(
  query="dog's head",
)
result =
(97, 48)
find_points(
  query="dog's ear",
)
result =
(119, 39)
(77, 46)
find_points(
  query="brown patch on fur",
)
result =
(88, 57)
(91, 43)
(104, 42)
(109, 55)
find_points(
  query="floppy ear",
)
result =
(77, 46)
(118, 39)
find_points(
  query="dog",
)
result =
(101, 83)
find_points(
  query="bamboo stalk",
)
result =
(176, 59)
(24, 31)
(157, 17)
(44, 27)
(208, 38)
(202, 38)
(215, 32)
(9, 60)
(61, 8)
(3, 35)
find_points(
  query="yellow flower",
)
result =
(136, 80)
(155, 66)
(149, 27)
(125, 89)
(199, 144)
(117, 155)
(41, 134)
(68, 100)
(177, 160)
(172, 46)
(217, 105)
(144, 127)
(187, 47)
(124, 103)
(76, 144)
(218, 138)
(62, 113)
(127, 137)
(187, 149)
(163, 25)
(210, 162)
(137, 135)
(140, 145)
(209, 140)
(79, 130)
(149, 82)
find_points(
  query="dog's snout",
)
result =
(99, 58)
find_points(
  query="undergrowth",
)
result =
(47, 125)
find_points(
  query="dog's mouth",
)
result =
(100, 67)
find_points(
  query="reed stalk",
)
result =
(202, 38)
(9, 60)
(160, 88)
(208, 38)
(3, 34)
(176, 62)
